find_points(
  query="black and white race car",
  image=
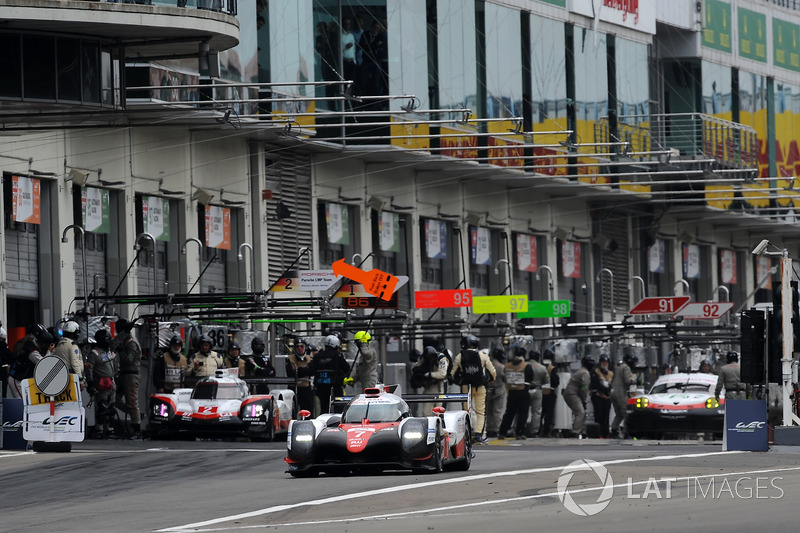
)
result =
(376, 431)
(221, 405)
(677, 404)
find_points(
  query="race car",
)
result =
(677, 404)
(221, 405)
(376, 431)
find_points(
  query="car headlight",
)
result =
(712, 403)
(642, 403)
(303, 437)
(254, 410)
(161, 410)
(412, 435)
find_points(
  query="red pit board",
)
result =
(443, 298)
(659, 305)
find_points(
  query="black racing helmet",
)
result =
(732, 357)
(103, 338)
(44, 338)
(521, 353)
(499, 353)
(234, 346)
(301, 342)
(258, 345)
(470, 341)
(605, 357)
(588, 361)
(630, 360)
(205, 339)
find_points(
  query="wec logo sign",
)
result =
(750, 427)
(63, 421)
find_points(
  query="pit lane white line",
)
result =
(396, 516)
(17, 454)
(413, 486)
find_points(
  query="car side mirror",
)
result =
(439, 410)
(305, 413)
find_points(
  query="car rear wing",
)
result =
(338, 402)
(440, 398)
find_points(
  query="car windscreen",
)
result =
(374, 412)
(216, 391)
(662, 388)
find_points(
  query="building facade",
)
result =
(582, 150)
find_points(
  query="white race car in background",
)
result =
(221, 405)
(677, 404)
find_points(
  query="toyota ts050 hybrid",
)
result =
(221, 405)
(376, 431)
(677, 404)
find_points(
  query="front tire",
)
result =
(437, 459)
(464, 465)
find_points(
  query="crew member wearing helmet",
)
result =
(473, 370)
(496, 396)
(601, 394)
(705, 367)
(430, 371)
(258, 365)
(129, 355)
(40, 344)
(299, 366)
(549, 392)
(366, 361)
(330, 368)
(730, 378)
(170, 367)
(620, 389)
(204, 362)
(519, 375)
(232, 359)
(102, 370)
(539, 384)
(576, 394)
(69, 352)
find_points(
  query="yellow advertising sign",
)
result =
(507, 303)
(719, 196)
(414, 136)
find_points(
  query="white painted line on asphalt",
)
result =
(413, 486)
(15, 454)
(395, 516)
(169, 450)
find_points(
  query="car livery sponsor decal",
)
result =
(357, 438)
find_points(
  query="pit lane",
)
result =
(229, 486)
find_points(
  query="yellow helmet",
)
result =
(362, 336)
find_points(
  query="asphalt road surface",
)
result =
(172, 486)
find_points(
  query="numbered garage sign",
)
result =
(219, 336)
(705, 310)
(507, 303)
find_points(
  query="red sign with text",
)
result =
(657, 305)
(443, 298)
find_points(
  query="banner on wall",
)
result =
(479, 246)
(691, 261)
(435, 239)
(94, 208)
(389, 228)
(571, 259)
(218, 227)
(655, 257)
(763, 274)
(155, 217)
(27, 200)
(527, 257)
(639, 14)
(727, 260)
(337, 224)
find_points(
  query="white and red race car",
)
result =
(377, 432)
(677, 404)
(221, 405)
